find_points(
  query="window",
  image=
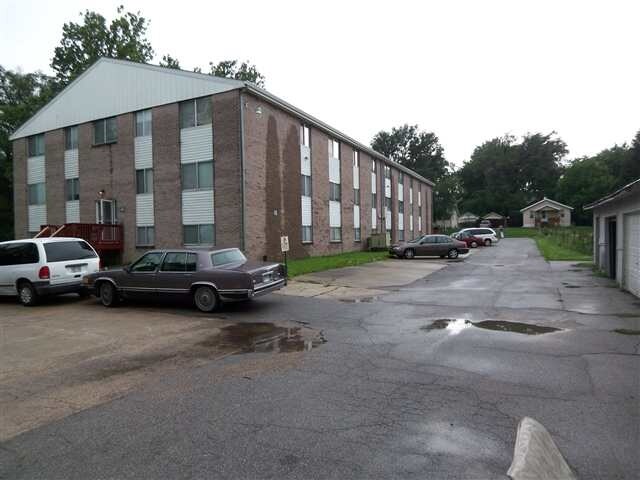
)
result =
(144, 180)
(401, 235)
(387, 203)
(334, 148)
(145, 236)
(334, 191)
(373, 166)
(65, 251)
(356, 234)
(71, 138)
(194, 113)
(37, 194)
(105, 131)
(387, 171)
(356, 196)
(356, 159)
(400, 178)
(400, 206)
(72, 189)
(374, 200)
(199, 234)
(228, 256)
(18, 253)
(306, 185)
(305, 138)
(179, 262)
(148, 263)
(197, 176)
(143, 123)
(307, 234)
(335, 234)
(35, 145)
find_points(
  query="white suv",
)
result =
(36, 267)
(487, 235)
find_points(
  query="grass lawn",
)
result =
(550, 250)
(318, 264)
(566, 243)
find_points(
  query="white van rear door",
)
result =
(70, 260)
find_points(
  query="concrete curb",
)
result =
(536, 456)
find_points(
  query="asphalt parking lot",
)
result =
(423, 380)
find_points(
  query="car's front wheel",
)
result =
(453, 253)
(206, 299)
(409, 254)
(487, 242)
(108, 294)
(27, 294)
(474, 244)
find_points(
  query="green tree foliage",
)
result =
(21, 95)
(85, 42)
(421, 152)
(169, 62)
(239, 71)
(504, 175)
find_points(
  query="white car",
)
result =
(487, 235)
(36, 267)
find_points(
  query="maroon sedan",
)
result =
(470, 240)
(208, 277)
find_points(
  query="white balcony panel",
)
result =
(196, 144)
(306, 211)
(387, 187)
(305, 160)
(144, 210)
(197, 207)
(387, 217)
(71, 163)
(420, 223)
(35, 170)
(72, 211)
(374, 218)
(400, 191)
(401, 221)
(411, 222)
(374, 183)
(410, 196)
(419, 198)
(37, 217)
(356, 177)
(356, 216)
(143, 152)
(335, 219)
(334, 170)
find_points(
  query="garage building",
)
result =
(616, 235)
(133, 156)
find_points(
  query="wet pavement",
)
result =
(424, 381)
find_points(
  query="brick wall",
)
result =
(167, 190)
(20, 211)
(54, 168)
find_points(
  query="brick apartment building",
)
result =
(184, 159)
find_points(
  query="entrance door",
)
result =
(612, 245)
(105, 212)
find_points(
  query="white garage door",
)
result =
(631, 267)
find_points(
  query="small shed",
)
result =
(546, 213)
(496, 219)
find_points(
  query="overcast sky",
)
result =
(466, 70)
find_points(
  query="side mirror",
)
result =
(127, 268)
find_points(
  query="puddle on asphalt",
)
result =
(358, 300)
(263, 338)
(456, 325)
(626, 331)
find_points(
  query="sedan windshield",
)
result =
(226, 257)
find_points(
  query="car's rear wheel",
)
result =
(206, 299)
(453, 253)
(27, 294)
(487, 242)
(409, 253)
(474, 244)
(108, 294)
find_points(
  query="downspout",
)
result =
(242, 187)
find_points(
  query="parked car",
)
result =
(430, 245)
(487, 235)
(208, 277)
(37, 267)
(485, 223)
(466, 237)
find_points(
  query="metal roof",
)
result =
(623, 191)
(112, 87)
(545, 199)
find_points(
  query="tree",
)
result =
(230, 69)
(21, 95)
(421, 152)
(169, 62)
(539, 164)
(85, 42)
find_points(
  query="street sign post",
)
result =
(284, 248)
